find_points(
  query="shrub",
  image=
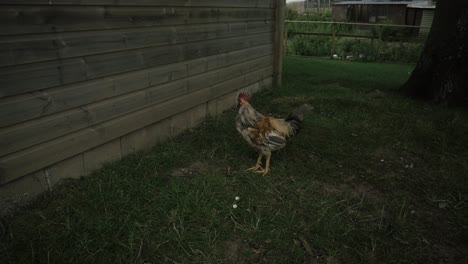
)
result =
(347, 47)
(355, 49)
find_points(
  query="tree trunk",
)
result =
(441, 74)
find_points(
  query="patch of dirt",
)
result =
(331, 260)
(199, 167)
(376, 94)
(315, 255)
(334, 189)
(348, 103)
(3, 229)
(448, 245)
(356, 190)
(192, 170)
(242, 252)
(383, 152)
(394, 162)
(369, 190)
(293, 100)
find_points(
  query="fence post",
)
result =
(286, 36)
(333, 40)
(279, 42)
(379, 43)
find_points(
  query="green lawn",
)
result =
(372, 178)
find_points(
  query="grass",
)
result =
(373, 178)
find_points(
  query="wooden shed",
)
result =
(394, 12)
(301, 6)
(421, 14)
(90, 81)
(297, 6)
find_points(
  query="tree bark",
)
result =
(441, 74)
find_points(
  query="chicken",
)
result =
(266, 134)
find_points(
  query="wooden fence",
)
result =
(355, 41)
(89, 81)
(369, 30)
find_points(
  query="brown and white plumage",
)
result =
(266, 134)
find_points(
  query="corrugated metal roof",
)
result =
(410, 4)
(425, 5)
(372, 3)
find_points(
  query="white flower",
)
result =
(237, 198)
(234, 206)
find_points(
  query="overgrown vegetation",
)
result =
(354, 49)
(325, 14)
(385, 44)
(373, 178)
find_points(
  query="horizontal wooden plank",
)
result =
(38, 76)
(330, 34)
(169, 3)
(24, 107)
(27, 134)
(16, 20)
(32, 159)
(15, 50)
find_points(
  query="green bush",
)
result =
(310, 46)
(389, 32)
(355, 49)
(292, 15)
(346, 47)
(400, 52)
(310, 15)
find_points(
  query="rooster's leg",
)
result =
(257, 165)
(267, 166)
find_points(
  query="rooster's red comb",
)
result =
(244, 96)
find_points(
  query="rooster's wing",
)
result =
(269, 134)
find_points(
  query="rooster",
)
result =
(266, 134)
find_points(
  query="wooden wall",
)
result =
(370, 13)
(298, 7)
(340, 13)
(87, 81)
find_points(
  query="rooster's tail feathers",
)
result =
(296, 118)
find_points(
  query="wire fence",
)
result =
(355, 41)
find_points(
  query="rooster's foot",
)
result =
(257, 165)
(255, 168)
(267, 166)
(263, 171)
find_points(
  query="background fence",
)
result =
(86, 82)
(357, 41)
